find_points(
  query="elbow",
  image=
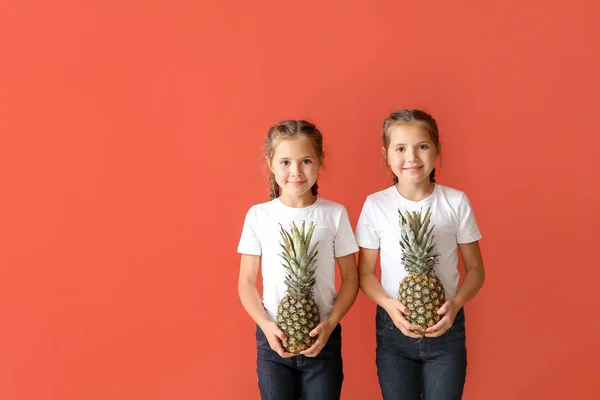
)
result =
(242, 287)
(352, 282)
(477, 273)
(363, 276)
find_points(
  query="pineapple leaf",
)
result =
(311, 229)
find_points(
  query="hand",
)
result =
(449, 310)
(322, 332)
(397, 311)
(274, 336)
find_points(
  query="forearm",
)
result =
(344, 299)
(470, 286)
(373, 289)
(252, 303)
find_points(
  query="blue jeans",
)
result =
(408, 367)
(309, 378)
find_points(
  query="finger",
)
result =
(313, 350)
(437, 333)
(279, 333)
(443, 309)
(307, 350)
(396, 309)
(437, 326)
(315, 332)
(409, 329)
(443, 323)
(413, 327)
(277, 347)
(313, 353)
(317, 343)
(408, 325)
(281, 351)
(405, 310)
(411, 334)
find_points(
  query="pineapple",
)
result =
(421, 291)
(298, 313)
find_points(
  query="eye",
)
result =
(399, 149)
(285, 163)
(423, 147)
(306, 162)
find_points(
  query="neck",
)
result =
(298, 201)
(417, 191)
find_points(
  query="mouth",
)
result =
(297, 183)
(412, 169)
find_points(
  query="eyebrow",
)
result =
(301, 158)
(421, 142)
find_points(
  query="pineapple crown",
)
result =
(419, 254)
(298, 258)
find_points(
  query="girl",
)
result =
(297, 237)
(411, 360)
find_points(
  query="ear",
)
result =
(384, 152)
(268, 163)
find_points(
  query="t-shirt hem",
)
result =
(369, 246)
(346, 252)
(249, 252)
(469, 239)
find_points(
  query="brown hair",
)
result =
(290, 129)
(408, 117)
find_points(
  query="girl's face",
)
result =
(411, 154)
(295, 166)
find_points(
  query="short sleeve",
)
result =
(344, 241)
(467, 231)
(366, 235)
(249, 241)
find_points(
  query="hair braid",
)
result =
(274, 191)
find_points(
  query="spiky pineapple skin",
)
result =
(298, 312)
(421, 290)
(296, 317)
(423, 294)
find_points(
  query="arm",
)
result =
(367, 264)
(348, 289)
(369, 284)
(343, 302)
(474, 277)
(474, 273)
(253, 305)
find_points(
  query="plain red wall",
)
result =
(131, 149)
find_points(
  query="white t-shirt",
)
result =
(452, 220)
(261, 235)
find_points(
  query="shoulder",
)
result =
(329, 207)
(452, 195)
(262, 208)
(383, 196)
(329, 204)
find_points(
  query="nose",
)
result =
(411, 154)
(296, 170)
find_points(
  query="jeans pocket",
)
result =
(383, 322)
(458, 325)
(336, 335)
(260, 336)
